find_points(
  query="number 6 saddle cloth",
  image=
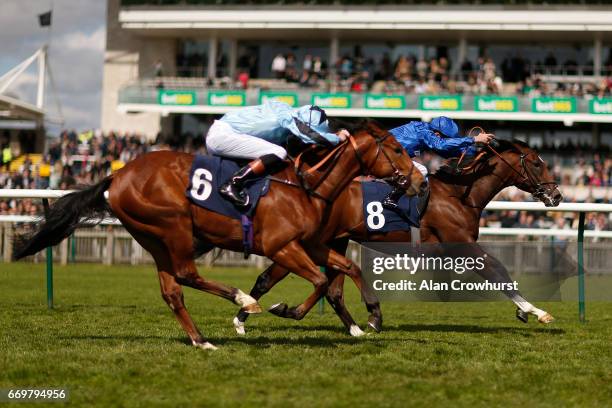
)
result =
(379, 219)
(208, 173)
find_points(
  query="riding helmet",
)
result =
(445, 125)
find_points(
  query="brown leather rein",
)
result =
(333, 157)
(538, 187)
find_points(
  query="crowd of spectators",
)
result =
(409, 74)
(81, 159)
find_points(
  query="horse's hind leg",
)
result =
(173, 295)
(265, 281)
(171, 291)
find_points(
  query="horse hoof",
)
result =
(239, 326)
(547, 318)
(279, 309)
(356, 331)
(205, 346)
(252, 308)
(247, 302)
(522, 316)
(375, 323)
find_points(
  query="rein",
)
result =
(333, 157)
(527, 176)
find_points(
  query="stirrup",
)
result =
(390, 204)
(234, 195)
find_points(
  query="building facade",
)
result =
(170, 65)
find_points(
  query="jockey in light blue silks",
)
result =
(257, 133)
(440, 135)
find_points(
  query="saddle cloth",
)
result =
(208, 173)
(379, 219)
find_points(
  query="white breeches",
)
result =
(223, 140)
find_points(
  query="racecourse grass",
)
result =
(113, 342)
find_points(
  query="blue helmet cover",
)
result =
(446, 126)
(312, 117)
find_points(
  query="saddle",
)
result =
(207, 174)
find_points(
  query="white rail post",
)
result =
(64, 252)
(110, 246)
(8, 243)
(2, 242)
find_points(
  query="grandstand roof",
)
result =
(18, 114)
(369, 19)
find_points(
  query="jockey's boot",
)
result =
(390, 202)
(234, 191)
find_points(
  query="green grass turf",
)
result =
(113, 342)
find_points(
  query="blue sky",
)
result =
(76, 54)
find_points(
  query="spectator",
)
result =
(307, 64)
(279, 66)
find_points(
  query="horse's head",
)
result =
(528, 170)
(381, 156)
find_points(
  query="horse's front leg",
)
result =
(494, 271)
(335, 297)
(265, 281)
(334, 261)
(293, 257)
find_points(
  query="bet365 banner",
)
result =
(496, 104)
(227, 98)
(381, 101)
(169, 97)
(553, 105)
(600, 106)
(328, 100)
(440, 102)
(290, 98)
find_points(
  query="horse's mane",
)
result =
(450, 166)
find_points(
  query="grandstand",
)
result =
(170, 64)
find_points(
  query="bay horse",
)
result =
(148, 196)
(457, 200)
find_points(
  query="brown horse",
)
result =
(457, 200)
(148, 197)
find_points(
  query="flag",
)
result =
(45, 19)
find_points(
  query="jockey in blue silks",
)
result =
(441, 135)
(258, 132)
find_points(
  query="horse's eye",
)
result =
(537, 164)
(398, 150)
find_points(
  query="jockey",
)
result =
(257, 133)
(440, 135)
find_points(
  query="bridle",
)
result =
(333, 156)
(397, 178)
(538, 188)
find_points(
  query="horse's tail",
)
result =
(64, 216)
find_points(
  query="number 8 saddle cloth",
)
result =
(379, 219)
